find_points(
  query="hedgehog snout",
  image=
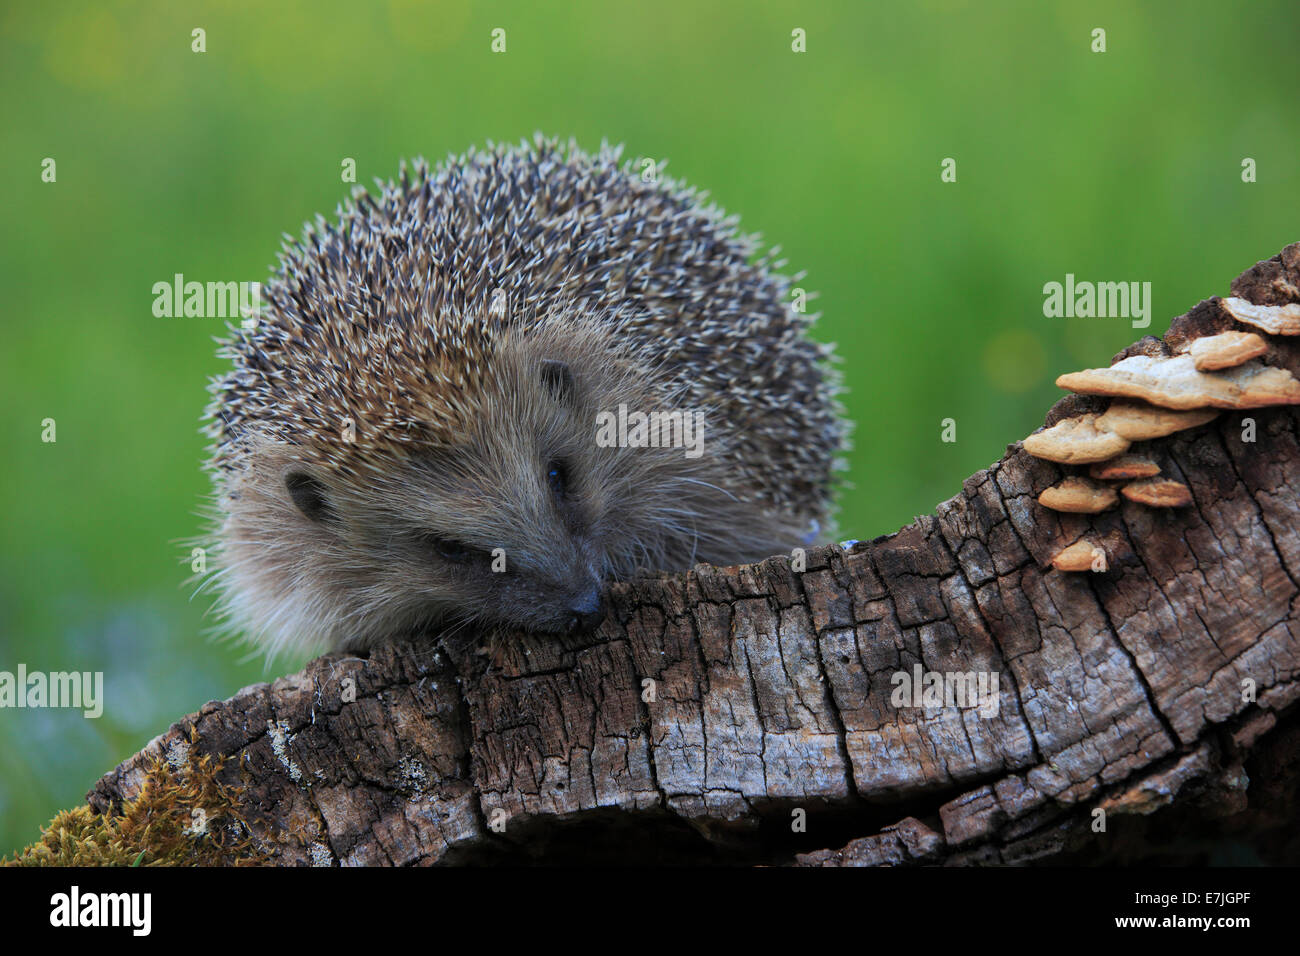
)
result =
(586, 611)
(581, 599)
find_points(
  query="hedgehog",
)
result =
(441, 415)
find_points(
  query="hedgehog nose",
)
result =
(586, 612)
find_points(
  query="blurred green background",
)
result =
(1123, 165)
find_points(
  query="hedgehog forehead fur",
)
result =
(396, 360)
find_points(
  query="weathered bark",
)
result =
(1121, 690)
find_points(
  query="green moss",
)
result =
(189, 818)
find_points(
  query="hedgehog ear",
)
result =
(558, 379)
(308, 495)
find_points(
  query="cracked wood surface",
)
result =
(771, 689)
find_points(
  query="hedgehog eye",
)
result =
(557, 476)
(308, 495)
(449, 548)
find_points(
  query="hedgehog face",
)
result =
(499, 526)
(513, 520)
(464, 535)
(518, 519)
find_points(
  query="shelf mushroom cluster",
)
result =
(1154, 396)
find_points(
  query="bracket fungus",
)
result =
(1153, 394)
(1175, 382)
(1273, 319)
(1079, 495)
(1076, 441)
(1138, 421)
(1226, 350)
(1081, 556)
(1158, 493)
(1124, 468)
